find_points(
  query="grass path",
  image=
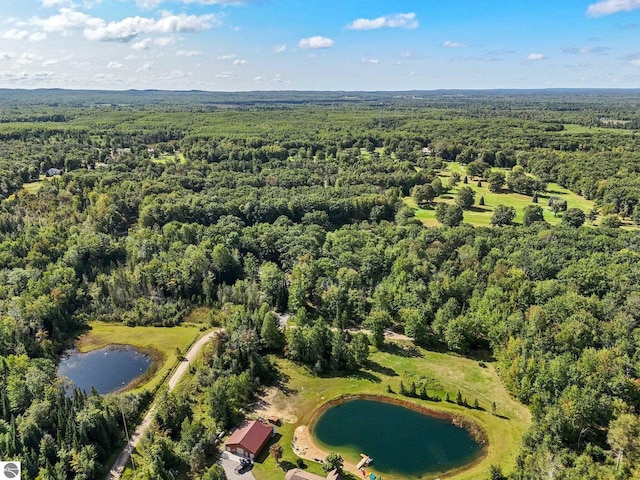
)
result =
(302, 393)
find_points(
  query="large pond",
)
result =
(401, 441)
(107, 369)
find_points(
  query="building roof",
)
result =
(251, 436)
(297, 474)
(333, 475)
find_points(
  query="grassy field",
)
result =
(302, 393)
(169, 157)
(160, 342)
(481, 215)
(570, 128)
(31, 187)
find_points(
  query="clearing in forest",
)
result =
(301, 393)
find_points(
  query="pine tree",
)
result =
(481, 201)
(412, 390)
(459, 400)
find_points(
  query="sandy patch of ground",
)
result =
(274, 403)
(305, 447)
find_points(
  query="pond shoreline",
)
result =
(155, 359)
(477, 433)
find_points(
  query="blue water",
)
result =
(401, 441)
(107, 369)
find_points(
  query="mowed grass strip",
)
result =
(160, 342)
(305, 392)
(480, 215)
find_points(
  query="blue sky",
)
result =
(234, 45)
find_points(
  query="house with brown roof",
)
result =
(249, 439)
(297, 474)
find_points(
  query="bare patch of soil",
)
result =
(275, 403)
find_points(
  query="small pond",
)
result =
(401, 441)
(107, 369)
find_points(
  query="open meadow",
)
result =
(480, 215)
(161, 343)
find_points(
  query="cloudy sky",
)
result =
(232, 45)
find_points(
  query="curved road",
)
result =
(118, 466)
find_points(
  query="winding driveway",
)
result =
(118, 466)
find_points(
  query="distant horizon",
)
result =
(425, 90)
(274, 45)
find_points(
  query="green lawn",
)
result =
(169, 157)
(160, 342)
(570, 128)
(31, 187)
(304, 393)
(481, 215)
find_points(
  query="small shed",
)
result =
(249, 439)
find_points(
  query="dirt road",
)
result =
(118, 466)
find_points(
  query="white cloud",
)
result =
(114, 65)
(56, 3)
(188, 53)
(67, 20)
(49, 62)
(15, 34)
(226, 74)
(535, 56)
(145, 67)
(25, 76)
(240, 62)
(279, 48)
(258, 79)
(373, 61)
(130, 27)
(37, 36)
(228, 56)
(6, 55)
(155, 3)
(399, 20)
(633, 59)
(27, 59)
(148, 4)
(180, 74)
(586, 50)
(142, 44)
(315, 42)
(164, 41)
(452, 44)
(608, 7)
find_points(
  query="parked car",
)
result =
(244, 466)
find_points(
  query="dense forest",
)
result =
(250, 204)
